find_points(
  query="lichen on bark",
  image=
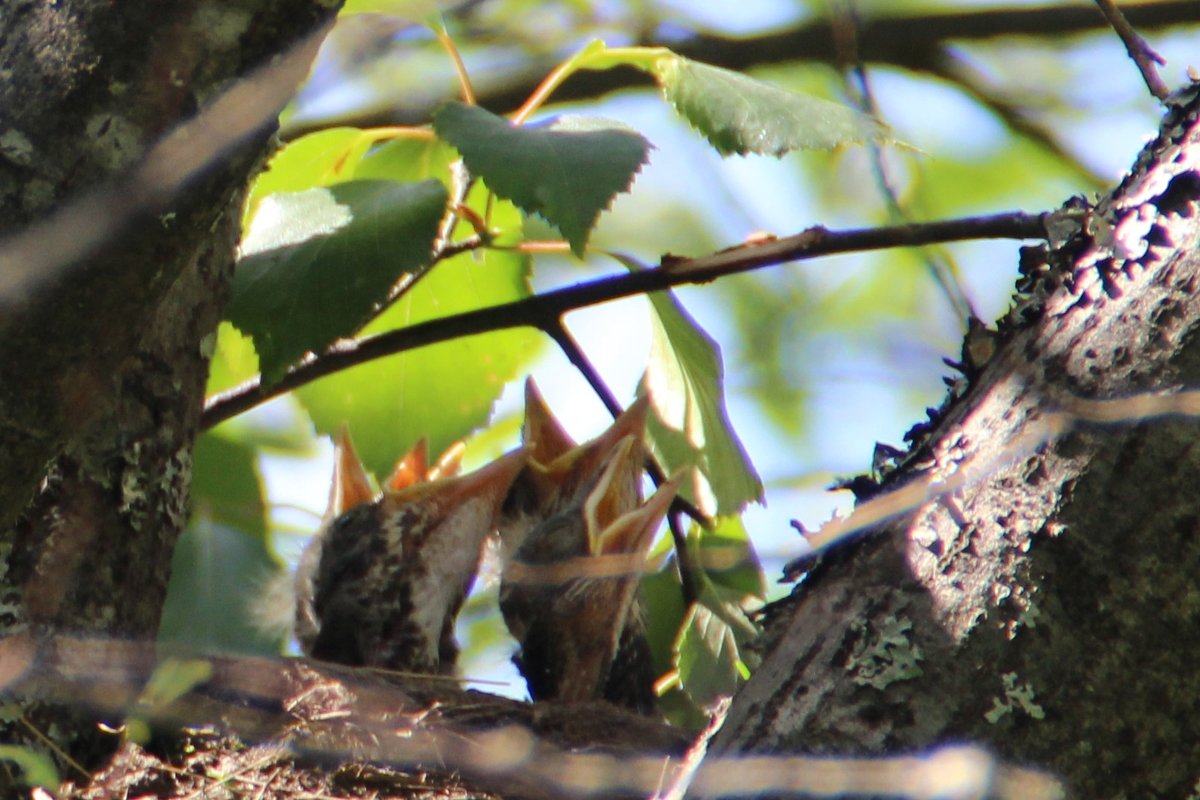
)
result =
(100, 359)
(1052, 601)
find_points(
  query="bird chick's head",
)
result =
(382, 581)
(570, 590)
(560, 474)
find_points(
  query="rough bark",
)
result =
(103, 361)
(1048, 610)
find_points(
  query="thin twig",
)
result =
(574, 353)
(683, 558)
(845, 25)
(1139, 50)
(443, 248)
(53, 746)
(387, 723)
(908, 41)
(460, 69)
(542, 311)
(686, 772)
(453, 249)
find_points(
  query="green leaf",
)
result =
(485, 639)
(772, 313)
(596, 55)
(738, 114)
(568, 170)
(37, 769)
(1019, 172)
(703, 645)
(408, 160)
(662, 598)
(233, 361)
(443, 391)
(727, 556)
(709, 650)
(226, 487)
(222, 561)
(315, 264)
(171, 680)
(416, 10)
(707, 656)
(318, 159)
(688, 425)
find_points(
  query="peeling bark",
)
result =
(1049, 610)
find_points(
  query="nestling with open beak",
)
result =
(558, 473)
(382, 583)
(575, 534)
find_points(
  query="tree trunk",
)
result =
(1019, 611)
(103, 361)
(1047, 609)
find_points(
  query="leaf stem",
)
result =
(464, 80)
(392, 132)
(683, 557)
(556, 78)
(540, 246)
(594, 56)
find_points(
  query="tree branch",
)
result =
(314, 711)
(544, 311)
(857, 80)
(1037, 608)
(909, 42)
(574, 353)
(105, 300)
(1142, 54)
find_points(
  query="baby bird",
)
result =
(382, 582)
(575, 534)
(558, 474)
